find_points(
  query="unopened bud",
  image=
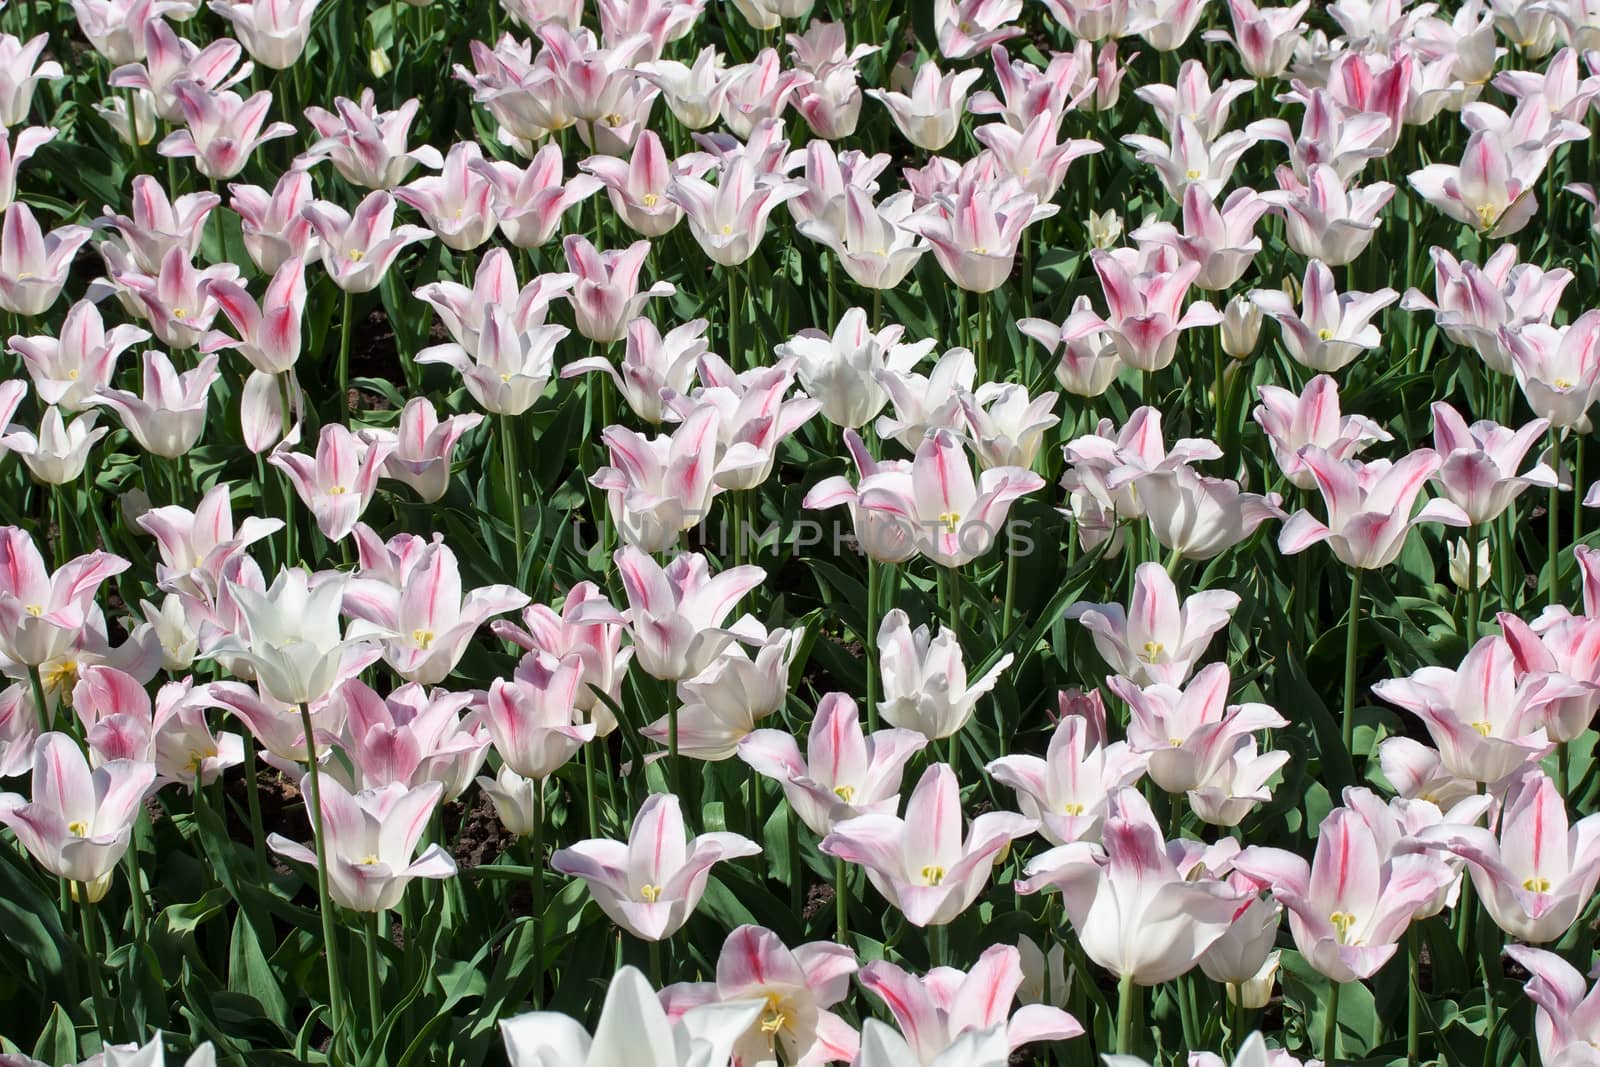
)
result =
(1105, 227)
(1456, 551)
(1241, 327)
(1256, 993)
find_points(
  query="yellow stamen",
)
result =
(1072, 807)
(649, 893)
(1152, 650)
(1342, 922)
(949, 520)
(932, 875)
(336, 490)
(78, 829)
(356, 255)
(1537, 885)
(1484, 728)
(423, 639)
(846, 793)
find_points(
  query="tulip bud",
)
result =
(133, 503)
(378, 62)
(1105, 227)
(115, 113)
(1457, 553)
(1241, 327)
(1257, 992)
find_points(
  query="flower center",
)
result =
(1324, 334)
(72, 375)
(179, 313)
(423, 639)
(1483, 727)
(336, 490)
(1486, 216)
(649, 893)
(773, 1017)
(949, 520)
(1192, 175)
(1072, 807)
(1342, 922)
(59, 678)
(1562, 383)
(78, 829)
(933, 875)
(649, 199)
(726, 230)
(846, 793)
(369, 860)
(356, 255)
(35, 610)
(1152, 651)
(1537, 885)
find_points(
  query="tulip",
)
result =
(196, 546)
(826, 180)
(675, 613)
(1416, 771)
(1324, 220)
(606, 297)
(1292, 422)
(876, 244)
(222, 130)
(598, 646)
(1541, 872)
(494, 290)
(1565, 1005)
(358, 250)
(932, 1012)
(1089, 362)
(424, 622)
(78, 822)
(411, 737)
(954, 517)
(925, 685)
(1191, 96)
(930, 114)
(171, 60)
(530, 717)
(632, 1023)
(638, 186)
(1557, 368)
(693, 93)
(20, 73)
(372, 837)
(291, 636)
(273, 225)
(758, 91)
(269, 333)
(1158, 639)
(115, 28)
(795, 988)
(458, 204)
(831, 101)
(1222, 241)
(1351, 904)
(169, 417)
(530, 203)
(67, 370)
(883, 537)
(924, 403)
(19, 730)
(1474, 303)
(882, 1046)
(1165, 24)
(44, 612)
(1483, 191)
(58, 453)
(424, 446)
(1478, 472)
(33, 265)
(1332, 329)
(725, 702)
(1068, 791)
(1328, 136)
(1091, 20)
(650, 885)
(975, 234)
(920, 864)
(368, 146)
(508, 371)
(1112, 467)
(652, 365)
(844, 773)
(1198, 517)
(1191, 158)
(275, 34)
(1135, 912)
(1007, 429)
(1144, 318)
(140, 128)
(159, 225)
(728, 220)
(1369, 507)
(1265, 38)
(657, 489)
(178, 302)
(337, 482)
(1486, 718)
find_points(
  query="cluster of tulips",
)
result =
(492, 620)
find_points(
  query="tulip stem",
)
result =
(1330, 1028)
(345, 325)
(591, 800)
(869, 638)
(841, 901)
(1474, 587)
(797, 889)
(374, 1013)
(40, 708)
(258, 835)
(1125, 994)
(1352, 638)
(135, 887)
(508, 469)
(91, 948)
(1413, 997)
(733, 317)
(330, 944)
(1553, 522)
(538, 891)
(938, 946)
(655, 964)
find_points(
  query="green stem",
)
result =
(1352, 637)
(841, 902)
(1330, 1029)
(91, 948)
(1474, 589)
(1413, 998)
(508, 472)
(374, 1012)
(258, 835)
(938, 946)
(345, 325)
(1553, 523)
(330, 943)
(39, 706)
(869, 638)
(1126, 991)
(130, 859)
(733, 318)
(538, 891)
(591, 793)
(797, 896)
(655, 964)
